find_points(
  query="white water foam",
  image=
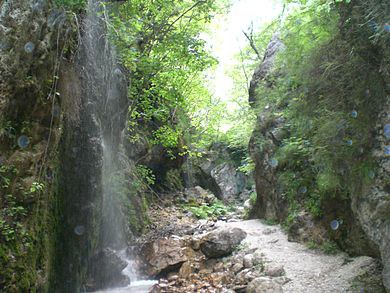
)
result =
(136, 286)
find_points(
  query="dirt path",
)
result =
(309, 270)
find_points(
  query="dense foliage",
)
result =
(160, 48)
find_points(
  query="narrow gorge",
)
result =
(194, 146)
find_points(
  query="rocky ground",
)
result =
(230, 254)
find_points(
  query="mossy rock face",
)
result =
(327, 157)
(28, 211)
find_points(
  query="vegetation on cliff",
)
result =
(328, 85)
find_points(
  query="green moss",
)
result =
(329, 247)
(73, 5)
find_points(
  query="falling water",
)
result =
(108, 92)
(108, 88)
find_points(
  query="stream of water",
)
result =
(108, 91)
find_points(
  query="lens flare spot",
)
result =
(349, 142)
(79, 230)
(354, 114)
(387, 150)
(334, 225)
(273, 163)
(371, 174)
(302, 189)
(386, 131)
(29, 47)
(23, 141)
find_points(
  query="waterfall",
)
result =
(107, 89)
(93, 167)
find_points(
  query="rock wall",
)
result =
(265, 139)
(30, 122)
(372, 208)
(51, 155)
(217, 172)
(366, 226)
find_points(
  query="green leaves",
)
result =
(73, 5)
(159, 43)
(205, 211)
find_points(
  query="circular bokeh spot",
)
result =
(371, 174)
(79, 230)
(354, 114)
(386, 131)
(349, 142)
(273, 162)
(302, 189)
(334, 225)
(29, 47)
(387, 150)
(23, 141)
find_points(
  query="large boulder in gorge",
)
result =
(264, 285)
(222, 242)
(163, 256)
(106, 271)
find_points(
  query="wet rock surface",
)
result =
(106, 271)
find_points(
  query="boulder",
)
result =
(264, 285)
(274, 270)
(222, 242)
(199, 195)
(163, 256)
(231, 182)
(248, 261)
(106, 271)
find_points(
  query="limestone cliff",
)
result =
(289, 180)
